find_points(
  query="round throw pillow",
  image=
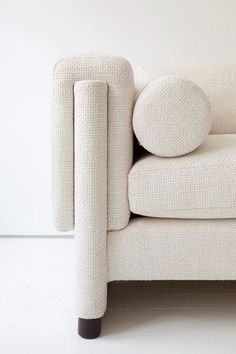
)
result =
(171, 117)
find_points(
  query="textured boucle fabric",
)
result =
(91, 196)
(165, 249)
(217, 81)
(117, 73)
(201, 184)
(92, 156)
(171, 117)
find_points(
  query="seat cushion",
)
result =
(200, 185)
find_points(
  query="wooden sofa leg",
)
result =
(89, 329)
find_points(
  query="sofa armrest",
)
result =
(118, 75)
(90, 133)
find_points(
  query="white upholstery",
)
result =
(171, 117)
(90, 111)
(91, 163)
(201, 184)
(218, 82)
(117, 73)
(165, 249)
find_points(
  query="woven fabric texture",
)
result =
(217, 81)
(91, 196)
(171, 117)
(201, 184)
(117, 73)
(165, 249)
(92, 158)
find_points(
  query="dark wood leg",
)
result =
(89, 329)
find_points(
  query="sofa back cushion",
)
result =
(217, 81)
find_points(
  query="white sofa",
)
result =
(183, 221)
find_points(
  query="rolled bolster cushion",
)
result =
(171, 117)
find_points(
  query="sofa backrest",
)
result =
(217, 81)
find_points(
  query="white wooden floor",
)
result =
(37, 313)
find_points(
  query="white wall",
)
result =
(34, 34)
